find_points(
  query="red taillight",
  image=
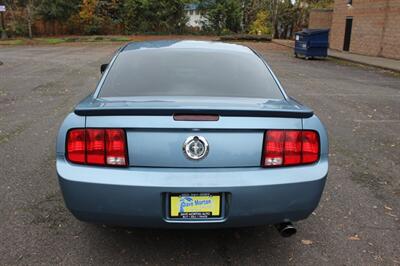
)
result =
(76, 146)
(290, 147)
(292, 150)
(97, 147)
(273, 148)
(115, 147)
(310, 147)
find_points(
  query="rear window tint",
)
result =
(188, 72)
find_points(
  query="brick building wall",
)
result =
(375, 30)
(320, 18)
(391, 35)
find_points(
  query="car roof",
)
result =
(187, 44)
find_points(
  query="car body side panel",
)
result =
(71, 121)
(314, 123)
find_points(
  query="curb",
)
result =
(279, 43)
(347, 59)
(364, 63)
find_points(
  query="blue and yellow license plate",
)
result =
(195, 205)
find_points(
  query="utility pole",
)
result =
(3, 25)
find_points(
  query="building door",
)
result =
(347, 34)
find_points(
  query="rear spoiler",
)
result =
(171, 112)
(93, 107)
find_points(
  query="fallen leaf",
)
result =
(354, 238)
(306, 242)
(388, 208)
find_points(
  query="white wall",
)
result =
(195, 19)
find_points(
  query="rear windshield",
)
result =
(188, 72)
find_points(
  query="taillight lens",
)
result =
(97, 147)
(273, 147)
(290, 147)
(115, 147)
(293, 143)
(76, 146)
(310, 147)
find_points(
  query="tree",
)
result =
(286, 17)
(261, 24)
(250, 10)
(57, 10)
(154, 15)
(281, 17)
(222, 15)
(90, 17)
(112, 9)
(61, 10)
(316, 3)
(30, 7)
(111, 13)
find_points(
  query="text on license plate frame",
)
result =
(195, 205)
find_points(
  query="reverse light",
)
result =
(106, 147)
(290, 147)
(115, 147)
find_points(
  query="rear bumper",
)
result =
(137, 196)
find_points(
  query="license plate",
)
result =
(195, 205)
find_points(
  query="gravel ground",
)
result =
(356, 223)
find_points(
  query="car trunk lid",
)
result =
(156, 139)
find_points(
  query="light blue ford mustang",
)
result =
(191, 134)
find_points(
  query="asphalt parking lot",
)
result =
(356, 223)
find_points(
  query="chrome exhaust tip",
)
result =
(286, 229)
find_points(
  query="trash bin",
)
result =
(312, 43)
